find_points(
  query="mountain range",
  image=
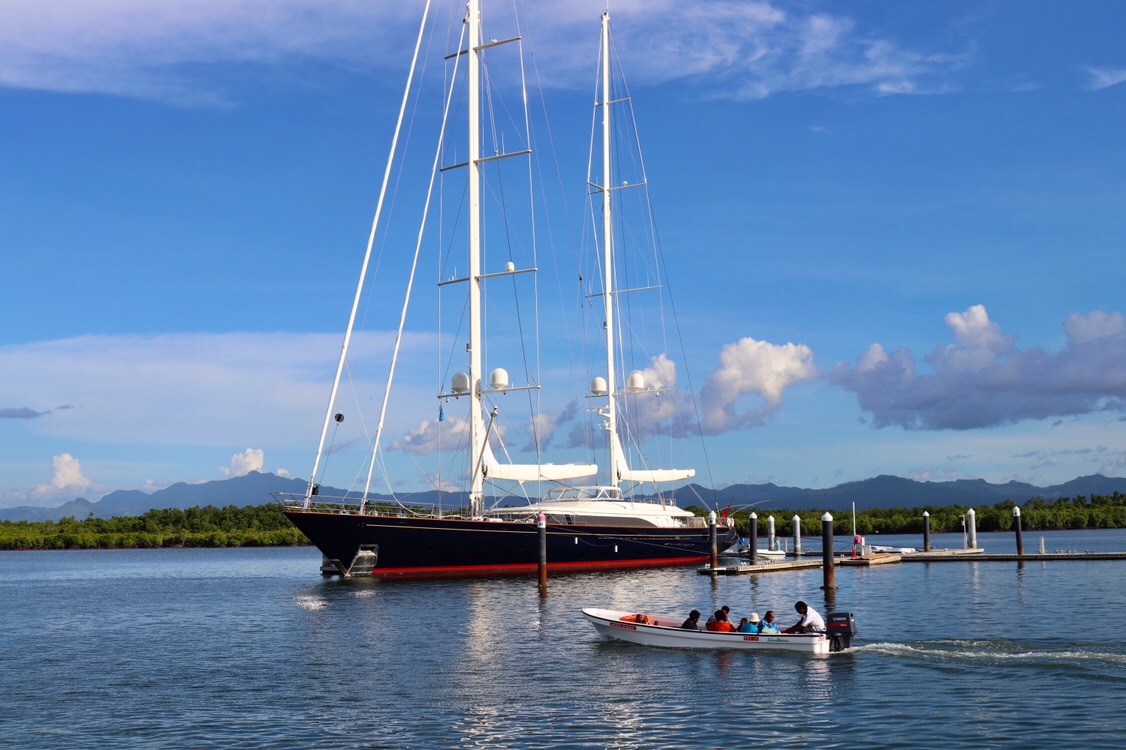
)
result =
(879, 492)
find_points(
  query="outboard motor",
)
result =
(841, 627)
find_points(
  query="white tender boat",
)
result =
(655, 630)
(773, 555)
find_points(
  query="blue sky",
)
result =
(895, 230)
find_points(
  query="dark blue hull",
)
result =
(449, 548)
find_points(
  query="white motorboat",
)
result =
(656, 630)
(774, 555)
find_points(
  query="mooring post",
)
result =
(1042, 545)
(829, 572)
(1016, 528)
(711, 531)
(972, 518)
(771, 542)
(753, 537)
(541, 527)
(797, 535)
(926, 531)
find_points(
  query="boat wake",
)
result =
(976, 653)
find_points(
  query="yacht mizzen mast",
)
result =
(477, 436)
(620, 470)
(611, 412)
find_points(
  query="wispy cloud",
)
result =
(22, 412)
(1102, 78)
(178, 389)
(163, 50)
(172, 50)
(984, 380)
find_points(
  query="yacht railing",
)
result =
(353, 506)
(343, 505)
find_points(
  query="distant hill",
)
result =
(251, 489)
(879, 492)
(896, 492)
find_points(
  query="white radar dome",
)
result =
(498, 378)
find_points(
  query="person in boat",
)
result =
(749, 624)
(711, 620)
(693, 621)
(810, 622)
(721, 624)
(768, 626)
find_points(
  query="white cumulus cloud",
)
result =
(244, 463)
(751, 367)
(429, 435)
(983, 379)
(67, 476)
(747, 369)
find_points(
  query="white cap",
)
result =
(754, 617)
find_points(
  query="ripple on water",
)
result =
(151, 651)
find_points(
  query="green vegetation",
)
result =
(1096, 512)
(253, 526)
(265, 526)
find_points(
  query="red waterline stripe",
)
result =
(527, 568)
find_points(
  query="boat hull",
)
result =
(422, 547)
(666, 633)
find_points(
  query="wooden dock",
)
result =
(943, 555)
(971, 555)
(744, 567)
(879, 558)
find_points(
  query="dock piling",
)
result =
(926, 531)
(715, 548)
(771, 542)
(753, 538)
(797, 535)
(829, 573)
(971, 516)
(541, 526)
(1017, 529)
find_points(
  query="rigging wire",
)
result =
(367, 256)
(410, 286)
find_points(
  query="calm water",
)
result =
(252, 649)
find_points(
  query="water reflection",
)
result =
(208, 658)
(830, 601)
(1020, 581)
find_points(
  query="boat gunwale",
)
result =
(813, 644)
(293, 503)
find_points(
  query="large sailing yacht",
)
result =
(597, 527)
